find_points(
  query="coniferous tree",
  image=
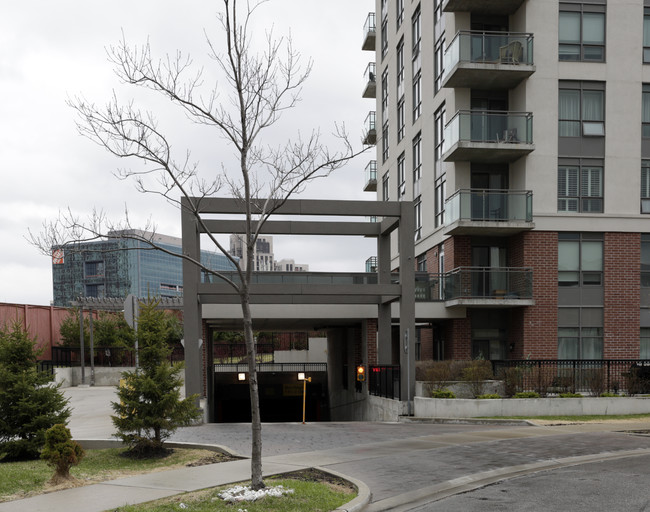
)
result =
(150, 407)
(29, 402)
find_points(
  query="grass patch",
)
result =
(28, 478)
(599, 417)
(314, 491)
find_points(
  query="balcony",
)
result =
(488, 60)
(501, 7)
(371, 177)
(369, 31)
(370, 132)
(370, 91)
(489, 287)
(489, 212)
(488, 136)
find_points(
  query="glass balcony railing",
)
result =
(370, 88)
(489, 126)
(371, 176)
(369, 30)
(490, 205)
(489, 48)
(491, 283)
(370, 133)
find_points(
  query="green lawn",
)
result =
(604, 417)
(22, 479)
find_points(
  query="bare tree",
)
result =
(259, 87)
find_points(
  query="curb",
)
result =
(363, 492)
(467, 421)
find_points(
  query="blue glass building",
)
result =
(116, 267)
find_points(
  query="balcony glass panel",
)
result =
(494, 283)
(489, 126)
(369, 28)
(490, 205)
(371, 172)
(489, 48)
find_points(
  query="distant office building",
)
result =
(290, 265)
(116, 267)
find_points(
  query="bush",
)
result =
(609, 395)
(527, 394)
(570, 395)
(491, 396)
(475, 373)
(150, 407)
(595, 379)
(442, 393)
(29, 402)
(513, 380)
(61, 452)
(439, 374)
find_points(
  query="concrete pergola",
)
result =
(392, 217)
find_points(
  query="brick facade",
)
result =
(622, 282)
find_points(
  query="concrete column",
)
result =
(192, 320)
(407, 300)
(384, 353)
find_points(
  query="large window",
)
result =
(384, 38)
(400, 119)
(580, 259)
(416, 38)
(401, 176)
(580, 333)
(384, 94)
(400, 68)
(645, 186)
(384, 141)
(399, 4)
(580, 187)
(581, 109)
(385, 190)
(438, 64)
(417, 206)
(645, 111)
(94, 269)
(644, 337)
(417, 96)
(417, 163)
(582, 32)
(646, 35)
(645, 261)
(440, 193)
(439, 138)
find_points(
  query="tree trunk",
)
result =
(256, 422)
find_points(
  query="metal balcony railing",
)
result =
(476, 47)
(371, 176)
(490, 205)
(489, 126)
(369, 31)
(493, 283)
(370, 132)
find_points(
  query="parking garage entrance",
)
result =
(281, 393)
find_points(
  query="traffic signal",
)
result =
(361, 373)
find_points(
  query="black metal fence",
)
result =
(64, 357)
(384, 381)
(548, 376)
(227, 353)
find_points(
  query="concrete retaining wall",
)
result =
(104, 376)
(461, 389)
(472, 408)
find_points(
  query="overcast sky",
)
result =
(52, 51)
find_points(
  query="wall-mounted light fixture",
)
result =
(241, 376)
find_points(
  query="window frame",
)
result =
(385, 142)
(399, 63)
(645, 186)
(385, 187)
(417, 212)
(582, 10)
(589, 277)
(587, 127)
(401, 121)
(401, 175)
(583, 197)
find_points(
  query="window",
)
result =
(417, 207)
(580, 259)
(439, 136)
(400, 12)
(645, 260)
(646, 35)
(580, 188)
(438, 65)
(440, 193)
(645, 186)
(580, 333)
(400, 119)
(417, 162)
(94, 269)
(582, 109)
(384, 94)
(94, 290)
(582, 32)
(385, 188)
(421, 262)
(417, 96)
(384, 38)
(644, 352)
(645, 111)
(384, 141)
(401, 176)
(400, 68)
(416, 40)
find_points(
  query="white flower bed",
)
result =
(245, 493)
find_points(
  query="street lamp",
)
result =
(305, 380)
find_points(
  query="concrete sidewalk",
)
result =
(396, 466)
